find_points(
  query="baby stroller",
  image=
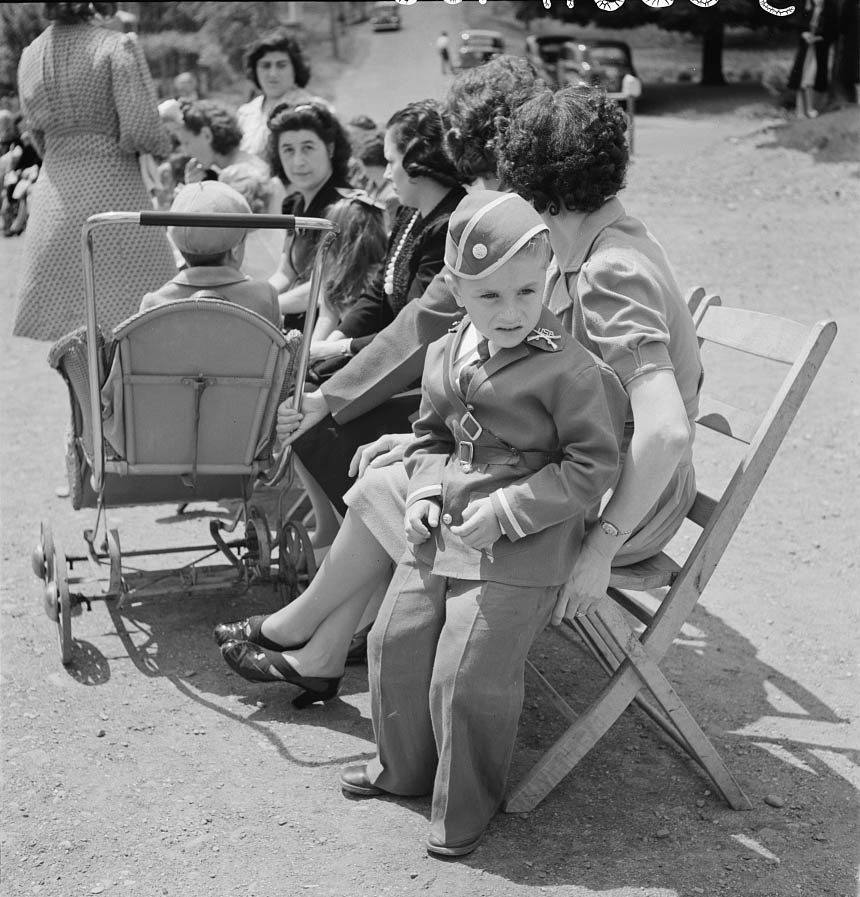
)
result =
(179, 405)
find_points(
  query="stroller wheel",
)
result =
(58, 592)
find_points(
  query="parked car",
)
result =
(478, 47)
(542, 51)
(385, 16)
(603, 63)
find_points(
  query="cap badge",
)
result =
(479, 251)
(550, 337)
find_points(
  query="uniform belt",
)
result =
(470, 453)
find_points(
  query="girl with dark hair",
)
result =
(91, 107)
(277, 67)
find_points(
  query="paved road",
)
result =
(394, 68)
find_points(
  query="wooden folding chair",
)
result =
(630, 658)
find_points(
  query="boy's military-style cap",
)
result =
(486, 230)
(208, 197)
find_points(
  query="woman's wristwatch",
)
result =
(611, 529)
(347, 347)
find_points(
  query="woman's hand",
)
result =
(421, 517)
(586, 589)
(480, 527)
(329, 348)
(381, 452)
(291, 423)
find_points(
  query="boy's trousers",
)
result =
(463, 643)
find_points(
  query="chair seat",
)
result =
(652, 573)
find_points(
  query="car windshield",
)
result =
(549, 49)
(608, 55)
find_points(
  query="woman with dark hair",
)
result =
(91, 108)
(614, 289)
(309, 153)
(277, 67)
(210, 135)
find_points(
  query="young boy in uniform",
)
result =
(213, 255)
(517, 440)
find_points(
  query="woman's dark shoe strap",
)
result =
(258, 664)
(248, 630)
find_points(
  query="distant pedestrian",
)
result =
(443, 45)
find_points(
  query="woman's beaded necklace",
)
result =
(388, 283)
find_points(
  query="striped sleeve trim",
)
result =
(424, 492)
(509, 514)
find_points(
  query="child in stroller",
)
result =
(213, 256)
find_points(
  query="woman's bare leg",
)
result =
(351, 573)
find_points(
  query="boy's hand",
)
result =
(480, 527)
(421, 517)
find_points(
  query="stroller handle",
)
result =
(226, 219)
(161, 219)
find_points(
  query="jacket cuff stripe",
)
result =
(424, 492)
(509, 514)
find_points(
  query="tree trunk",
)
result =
(845, 71)
(712, 54)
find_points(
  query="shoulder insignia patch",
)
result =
(544, 335)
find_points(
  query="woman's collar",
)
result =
(572, 234)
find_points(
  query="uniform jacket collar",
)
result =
(547, 323)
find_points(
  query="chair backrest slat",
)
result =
(727, 419)
(703, 507)
(754, 333)
(737, 495)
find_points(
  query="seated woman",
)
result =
(209, 134)
(429, 188)
(309, 152)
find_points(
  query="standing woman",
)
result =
(91, 107)
(278, 68)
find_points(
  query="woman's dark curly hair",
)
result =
(566, 149)
(417, 131)
(478, 108)
(226, 133)
(71, 13)
(278, 41)
(316, 117)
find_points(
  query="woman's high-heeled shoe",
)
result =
(249, 630)
(262, 665)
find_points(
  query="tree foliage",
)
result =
(20, 25)
(706, 22)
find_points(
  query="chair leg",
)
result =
(575, 743)
(636, 670)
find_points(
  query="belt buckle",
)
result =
(465, 454)
(469, 420)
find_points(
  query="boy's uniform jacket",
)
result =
(553, 417)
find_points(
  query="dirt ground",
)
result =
(147, 768)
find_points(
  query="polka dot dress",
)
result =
(90, 103)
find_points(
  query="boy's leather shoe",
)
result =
(453, 850)
(354, 780)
